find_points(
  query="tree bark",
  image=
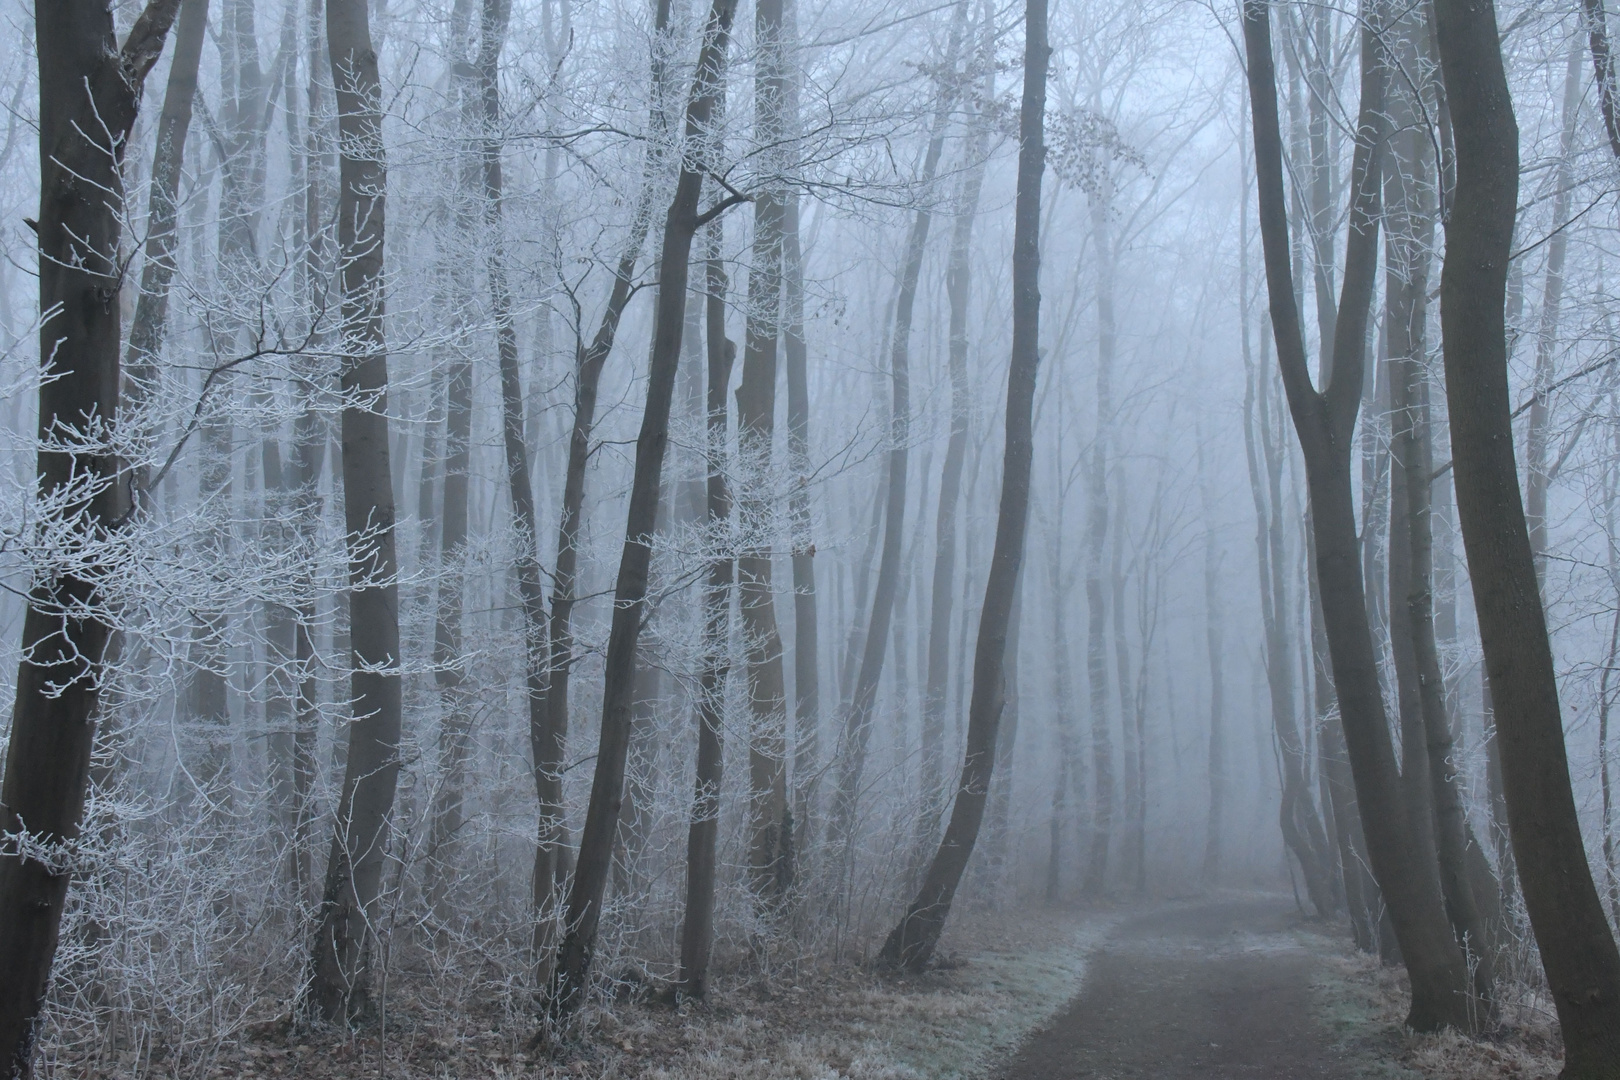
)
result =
(1426, 765)
(770, 844)
(1577, 948)
(339, 984)
(568, 981)
(958, 286)
(1324, 422)
(697, 933)
(912, 942)
(89, 94)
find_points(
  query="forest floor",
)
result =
(1226, 986)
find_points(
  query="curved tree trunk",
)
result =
(584, 911)
(912, 942)
(1577, 948)
(1324, 422)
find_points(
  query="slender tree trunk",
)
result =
(568, 981)
(549, 714)
(1577, 948)
(1102, 818)
(163, 209)
(912, 942)
(958, 284)
(1538, 471)
(697, 933)
(1324, 422)
(1217, 684)
(806, 622)
(770, 843)
(858, 719)
(339, 984)
(88, 99)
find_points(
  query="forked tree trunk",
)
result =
(1324, 422)
(88, 96)
(339, 985)
(584, 912)
(912, 942)
(697, 932)
(1577, 948)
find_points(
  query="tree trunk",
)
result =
(1217, 686)
(568, 981)
(1538, 471)
(88, 99)
(697, 933)
(339, 984)
(770, 845)
(1430, 774)
(958, 284)
(1577, 948)
(858, 719)
(912, 942)
(549, 713)
(1324, 422)
(806, 623)
(163, 207)
(1102, 817)
(1597, 33)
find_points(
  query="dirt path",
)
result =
(1210, 989)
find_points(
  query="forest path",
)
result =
(1211, 989)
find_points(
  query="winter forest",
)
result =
(680, 538)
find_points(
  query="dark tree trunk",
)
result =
(568, 981)
(163, 207)
(770, 844)
(1410, 209)
(88, 96)
(1597, 34)
(912, 942)
(958, 284)
(697, 933)
(1324, 422)
(339, 984)
(806, 624)
(549, 711)
(1577, 948)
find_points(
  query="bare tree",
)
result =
(339, 983)
(913, 940)
(1324, 421)
(1577, 947)
(584, 912)
(89, 95)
